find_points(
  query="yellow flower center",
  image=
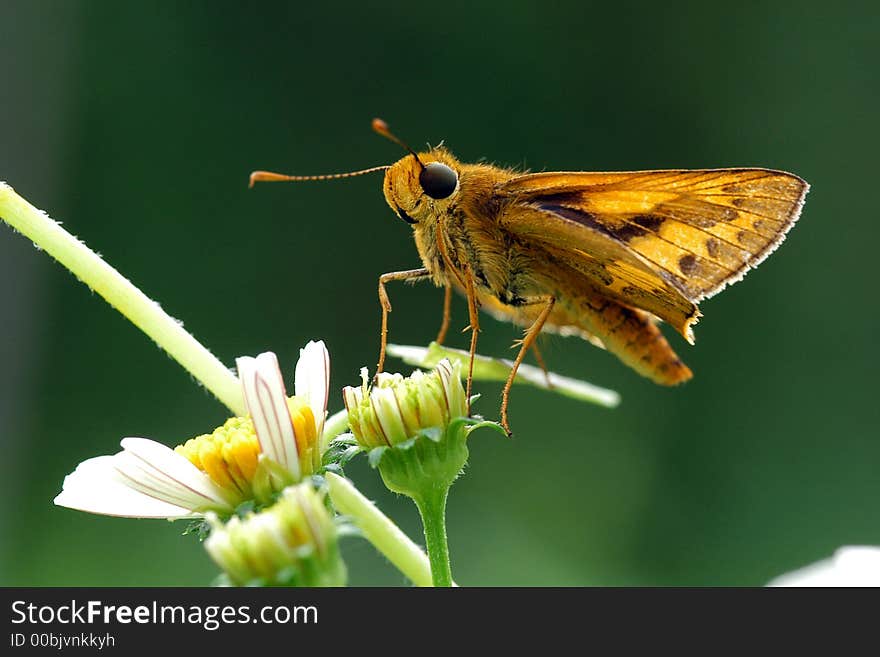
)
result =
(230, 454)
(306, 436)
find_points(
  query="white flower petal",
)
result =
(266, 401)
(95, 486)
(158, 471)
(852, 565)
(444, 372)
(311, 380)
(388, 416)
(351, 397)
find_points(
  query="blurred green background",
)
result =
(136, 124)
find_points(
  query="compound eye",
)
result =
(438, 180)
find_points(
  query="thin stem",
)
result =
(380, 530)
(120, 293)
(432, 507)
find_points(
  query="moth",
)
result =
(604, 256)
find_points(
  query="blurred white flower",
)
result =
(245, 459)
(851, 565)
(291, 543)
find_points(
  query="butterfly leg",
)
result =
(447, 314)
(408, 275)
(474, 317)
(543, 365)
(528, 340)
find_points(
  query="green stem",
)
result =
(120, 293)
(380, 530)
(432, 507)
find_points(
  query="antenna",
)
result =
(381, 128)
(268, 176)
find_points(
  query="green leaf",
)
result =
(341, 452)
(375, 455)
(498, 369)
(488, 424)
(199, 527)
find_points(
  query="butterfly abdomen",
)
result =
(629, 334)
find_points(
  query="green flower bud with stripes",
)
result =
(292, 543)
(415, 430)
(397, 408)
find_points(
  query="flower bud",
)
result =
(415, 430)
(398, 409)
(292, 543)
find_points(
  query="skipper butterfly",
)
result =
(599, 255)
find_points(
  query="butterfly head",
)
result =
(417, 183)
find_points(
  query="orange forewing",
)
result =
(657, 240)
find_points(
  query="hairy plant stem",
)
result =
(379, 530)
(432, 507)
(123, 295)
